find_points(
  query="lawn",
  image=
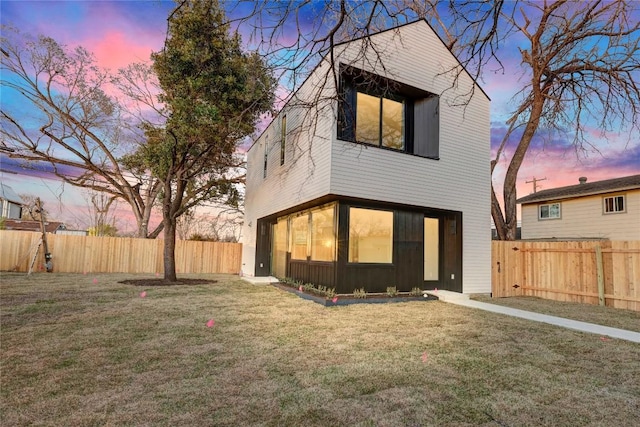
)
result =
(75, 352)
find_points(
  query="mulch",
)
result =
(163, 282)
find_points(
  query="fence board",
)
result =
(567, 271)
(91, 254)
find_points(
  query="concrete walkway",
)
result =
(463, 300)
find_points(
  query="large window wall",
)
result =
(348, 245)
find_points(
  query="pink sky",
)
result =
(122, 32)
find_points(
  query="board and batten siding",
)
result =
(304, 176)
(584, 217)
(460, 180)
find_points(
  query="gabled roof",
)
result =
(584, 189)
(18, 224)
(7, 193)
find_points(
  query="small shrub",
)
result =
(392, 291)
(330, 292)
(308, 287)
(416, 292)
(359, 293)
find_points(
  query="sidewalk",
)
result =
(463, 300)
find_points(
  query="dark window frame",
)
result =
(353, 80)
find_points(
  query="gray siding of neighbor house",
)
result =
(584, 217)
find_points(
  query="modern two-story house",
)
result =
(375, 173)
(608, 209)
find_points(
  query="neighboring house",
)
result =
(608, 209)
(11, 203)
(49, 226)
(383, 182)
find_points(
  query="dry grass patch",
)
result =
(606, 316)
(78, 353)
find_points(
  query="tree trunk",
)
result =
(170, 250)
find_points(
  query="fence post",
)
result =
(600, 275)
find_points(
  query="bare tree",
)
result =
(82, 130)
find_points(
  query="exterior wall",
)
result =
(584, 217)
(459, 180)
(305, 173)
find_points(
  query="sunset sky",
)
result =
(122, 32)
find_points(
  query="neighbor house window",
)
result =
(379, 121)
(299, 236)
(549, 211)
(370, 236)
(323, 238)
(614, 204)
(283, 138)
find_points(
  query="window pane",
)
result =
(620, 204)
(299, 233)
(392, 124)
(370, 236)
(279, 258)
(544, 211)
(554, 210)
(368, 119)
(323, 238)
(431, 248)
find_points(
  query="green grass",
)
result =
(78, 353)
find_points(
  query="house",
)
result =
(22, 225)
(381, 180)
(608, 209)
(10, 202)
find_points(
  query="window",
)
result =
(279, 249)
(431, 248)
(549, 211)
(379, 121)
(323, 238)
(283, 138)
(384, 113)
(614, 204)
(370, 236)
(299, 236)
(264, 166)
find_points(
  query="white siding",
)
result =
(584, 217)
(460, 180)
(305, 173)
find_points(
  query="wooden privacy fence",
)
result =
(593, 272)
(78, 254)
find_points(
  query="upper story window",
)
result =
(266, 158)
(381, 112)
(283, 138)
(549, 211)
(614, 204)
(379, 121)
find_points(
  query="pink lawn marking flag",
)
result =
(95, 280)
(210, 323)
(143, 294)
(335, 300)
(424, 357)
